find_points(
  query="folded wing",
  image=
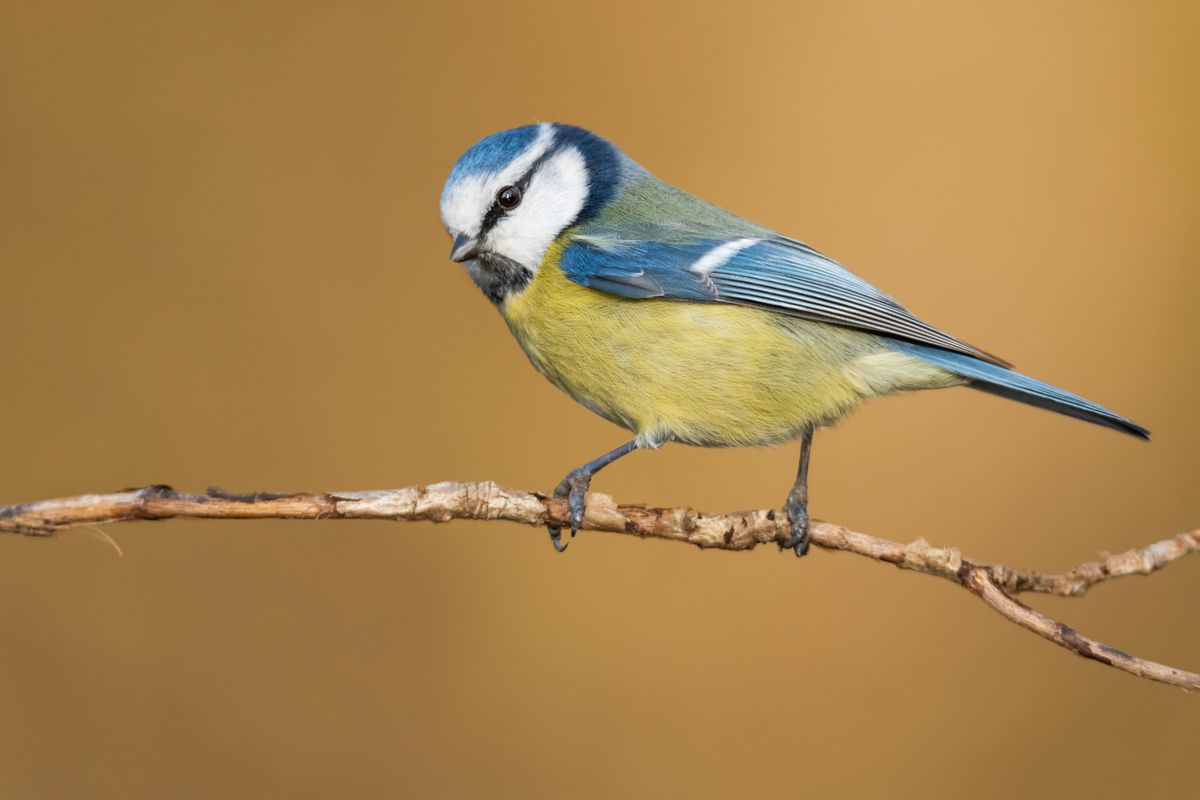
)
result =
(767, 271)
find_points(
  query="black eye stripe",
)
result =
(496, 211)
(490, 219)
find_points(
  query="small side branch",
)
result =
(994, 584)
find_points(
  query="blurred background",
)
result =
(221, 264)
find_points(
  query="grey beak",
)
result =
(464, 248)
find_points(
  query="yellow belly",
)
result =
(705, 374)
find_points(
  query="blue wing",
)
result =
(765, 270)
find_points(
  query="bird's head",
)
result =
(511, 195)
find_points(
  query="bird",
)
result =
(682, 322)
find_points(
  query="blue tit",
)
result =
(682, 322)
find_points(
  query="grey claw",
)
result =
(576, 501)
(556, 538)
(800, 538)
(799, 541)
(555, 530)
(574, 489)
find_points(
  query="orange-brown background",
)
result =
(222, 264)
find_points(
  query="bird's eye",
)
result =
(508, 198)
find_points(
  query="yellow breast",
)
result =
(701, 373)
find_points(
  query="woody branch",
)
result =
(994, 584)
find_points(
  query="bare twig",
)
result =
(994, 584)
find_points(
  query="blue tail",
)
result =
(1015, 386)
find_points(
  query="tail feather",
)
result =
(1015, 386)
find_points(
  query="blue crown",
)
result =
(494, 152)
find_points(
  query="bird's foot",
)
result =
(797, 511)
(573, 488)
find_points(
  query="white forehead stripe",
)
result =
(537, 148)
(720, 255)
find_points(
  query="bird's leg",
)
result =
(574, 487)
(797, 501)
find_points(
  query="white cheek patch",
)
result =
(465, 204)
(556, 195)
